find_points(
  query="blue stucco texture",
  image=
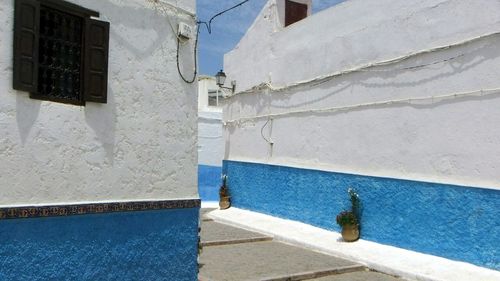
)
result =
(143, 245)
(209, 181)
(454, 222)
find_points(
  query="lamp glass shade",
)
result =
(220, 78)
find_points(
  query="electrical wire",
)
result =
(406, 101)
(166, 11)
(174, 7)
(209, 28)
(262, 132)
(210, 137)
(361, 68)
(195, 58)
(209, 23)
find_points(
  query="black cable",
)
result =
(209, 28)
(195, 58)
(209, 24)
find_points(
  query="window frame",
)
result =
(86, 16)
(216, 95)
(292, 7)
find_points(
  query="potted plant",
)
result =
(224, 198)
(349, 220)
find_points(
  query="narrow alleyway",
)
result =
(234, 254)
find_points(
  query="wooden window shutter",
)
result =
(96, 60)
(26, 25)
(294, 12)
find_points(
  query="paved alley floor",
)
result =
(235, 254)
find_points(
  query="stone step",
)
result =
(235, 241)
(268, 260)
(213, 233)
(358, 276)
(315, 274)
(205, 211)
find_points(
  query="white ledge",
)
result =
(209, 204)
(388, 259)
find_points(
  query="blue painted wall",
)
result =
(142, 245)
(209, 181)
(451, 221)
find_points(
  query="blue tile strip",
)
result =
(94, 208)
(455, 222)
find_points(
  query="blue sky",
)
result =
(228, 29)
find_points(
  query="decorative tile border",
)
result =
(94, 208)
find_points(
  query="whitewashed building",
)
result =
(210, 138)
(398, 99)
(98, 141)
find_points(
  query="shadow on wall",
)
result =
(102, 119)
(141, 46)
(27, 111)
(228, 131)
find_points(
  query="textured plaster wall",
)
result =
(140, 145)
(150, 245)
(450, 221)
(351, 33)
(452, 141)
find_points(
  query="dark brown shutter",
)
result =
(294, 12)
(96, 60)
(26, 23)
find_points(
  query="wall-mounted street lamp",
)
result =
(220, 78)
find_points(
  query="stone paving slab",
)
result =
(204, 212)
(265, 261)
(358, 276)
(408, 264)
(309, 275)
(213, 233)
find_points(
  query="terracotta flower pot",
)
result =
(350, 233)
(224, 202)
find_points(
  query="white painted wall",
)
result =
(351, 33)
(210, 131)
(210, 138)
(452, 141)
(140, 145)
